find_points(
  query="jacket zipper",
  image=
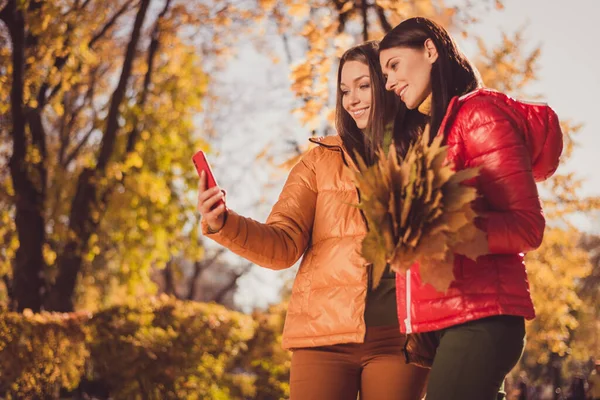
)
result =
(341, 150)
(407, 320)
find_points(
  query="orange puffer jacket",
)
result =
(314, 216)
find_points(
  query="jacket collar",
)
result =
(335, 143)
(328, 141)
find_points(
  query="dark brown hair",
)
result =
(384, 105)
(451, 75)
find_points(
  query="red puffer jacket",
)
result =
(516, 144)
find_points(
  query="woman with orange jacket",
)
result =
(343, 333)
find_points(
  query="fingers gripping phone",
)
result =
(201, 163)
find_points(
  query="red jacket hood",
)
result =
(539, 124)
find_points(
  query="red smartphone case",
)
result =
(201, 164)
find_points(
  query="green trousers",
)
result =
(473, 359)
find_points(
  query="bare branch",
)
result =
(61, 61)
(82, 218)
(133, 135)
(152, 51)
(385, 25)
(343, 16)
(67, 123)
(78, 148)
(232, 284)
(109, 24)
(199, 267)
(85, 4)
(365, 16)
(112, 120)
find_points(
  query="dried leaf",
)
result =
(402, 260)
(455, 220)
(433, 246)
(439, 274)
(463, 175)
(457, 196)
(418, 210)
(477, 244)
(442, 176)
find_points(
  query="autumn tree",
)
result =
(98, 132)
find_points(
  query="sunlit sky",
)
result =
(569, 35)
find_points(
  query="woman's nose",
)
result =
(390, 83)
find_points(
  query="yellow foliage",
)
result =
(49, 255)
(158, 177)
(554, 271)
(40, 353)
(506, 68)
(299, 9)
(157, 348)
(133, 161)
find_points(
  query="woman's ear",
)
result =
(431, 52)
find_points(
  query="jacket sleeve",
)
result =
(492, 140)
(281, 241)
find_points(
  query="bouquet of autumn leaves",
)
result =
(418, 210)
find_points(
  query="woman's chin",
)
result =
(411, 105)
(361, 125)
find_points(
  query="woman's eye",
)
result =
(394, 66)
(344, 92)
(365, 86)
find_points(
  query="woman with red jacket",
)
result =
(479, 322)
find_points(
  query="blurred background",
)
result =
(107, 288)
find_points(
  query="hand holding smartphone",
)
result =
(211, 203)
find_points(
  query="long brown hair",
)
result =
(383, 105)
(451, 75)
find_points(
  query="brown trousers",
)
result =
(376, 369)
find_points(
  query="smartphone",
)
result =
(201, 164)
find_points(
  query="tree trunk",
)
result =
(85, 208)
(28, 267)
(170, 279)
(193, 284)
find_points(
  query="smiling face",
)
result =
(355, 88)
(408, 72)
